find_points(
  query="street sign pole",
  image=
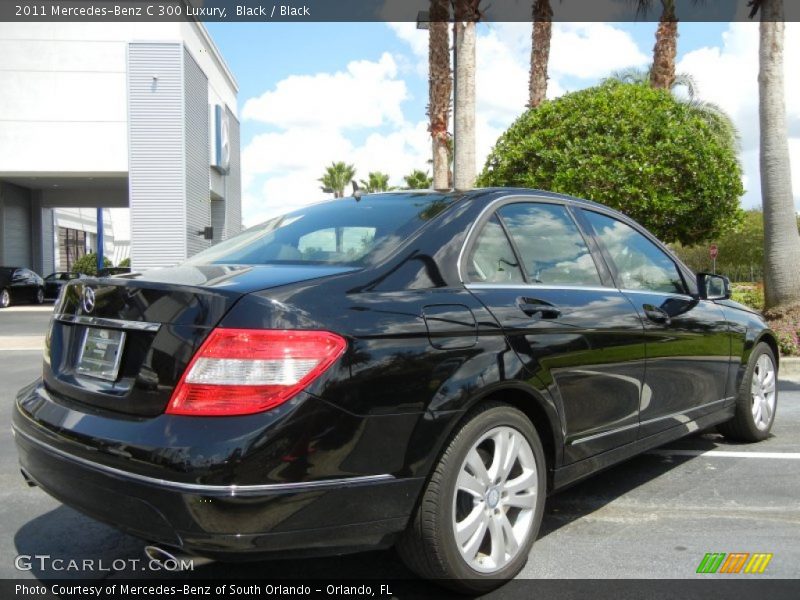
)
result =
(713, 251)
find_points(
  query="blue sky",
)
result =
(311, 93)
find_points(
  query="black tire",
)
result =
(428, 546)
(39, 296)
(742, 427)
(5, 298)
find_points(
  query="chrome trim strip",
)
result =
(536, 286)
(595, 436)
(687, 412)
(602, 434)
(104, 322)
(212, 490)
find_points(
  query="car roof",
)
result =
(494, 191)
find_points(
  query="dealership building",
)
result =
(93, 116)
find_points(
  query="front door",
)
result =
(688, 343)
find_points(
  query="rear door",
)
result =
(579, 337)
(688, 342)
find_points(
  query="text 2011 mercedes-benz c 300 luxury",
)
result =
(409, 369)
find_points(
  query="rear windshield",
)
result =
(343, 231)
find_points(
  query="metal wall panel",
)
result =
(233, 184)
(16, 232)
(198, 200)
(157, 156)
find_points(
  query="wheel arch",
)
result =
(540, 413)
(771, 339)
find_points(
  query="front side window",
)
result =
(491, 259)
(550, 244)
(641, 265)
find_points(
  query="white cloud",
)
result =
(728, 76)
(365, 94)
(317, 117)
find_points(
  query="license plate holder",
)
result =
(101, 353)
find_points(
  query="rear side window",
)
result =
(641, 265)
(550, 244)
(491, 259)
(341, 231)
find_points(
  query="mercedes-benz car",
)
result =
(20, 285)
(410, 369)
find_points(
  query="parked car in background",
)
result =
(20, 285)
(55, 281)
(410, 368)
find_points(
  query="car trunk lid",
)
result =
(121, 344)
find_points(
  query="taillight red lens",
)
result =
(245, 371)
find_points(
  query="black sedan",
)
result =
(18, 285)
(55, 281)
(409, 369)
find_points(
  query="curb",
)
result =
(789, 366)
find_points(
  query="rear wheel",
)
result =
(757, 399)
(482, 507)
(5, 298)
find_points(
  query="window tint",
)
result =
(640, 263)
(550, 244)
(336, 232)
(350, 242)
(491, 259)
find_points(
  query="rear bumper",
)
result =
(333, 515)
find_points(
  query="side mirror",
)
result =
(713, 287)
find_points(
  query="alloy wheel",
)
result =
(5, 299)
(762, 391)
(495, 499)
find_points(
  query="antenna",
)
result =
(357, 192)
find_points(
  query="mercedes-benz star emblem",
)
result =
(88, 299)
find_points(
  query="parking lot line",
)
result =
(726, 454)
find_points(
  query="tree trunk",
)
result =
(439, 90)
(541, 34)
(466, 18)
(781, 240)
(662, 75)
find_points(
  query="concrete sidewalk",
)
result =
(10, 343)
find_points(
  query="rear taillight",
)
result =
(245, 371)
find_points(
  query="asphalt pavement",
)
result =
(652, 517)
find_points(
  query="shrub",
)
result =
(87, 264)
(749, 294)
(629, 147)
(125, 262)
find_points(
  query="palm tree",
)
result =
(665, 51)
(465, 34)
(781, 239)
(540, 51)
(440, 86)
(418, 180)
(376, 182)
(720, 123)
(337, 177)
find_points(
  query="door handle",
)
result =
(656, 315)
(534, 307)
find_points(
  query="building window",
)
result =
(71, 246)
